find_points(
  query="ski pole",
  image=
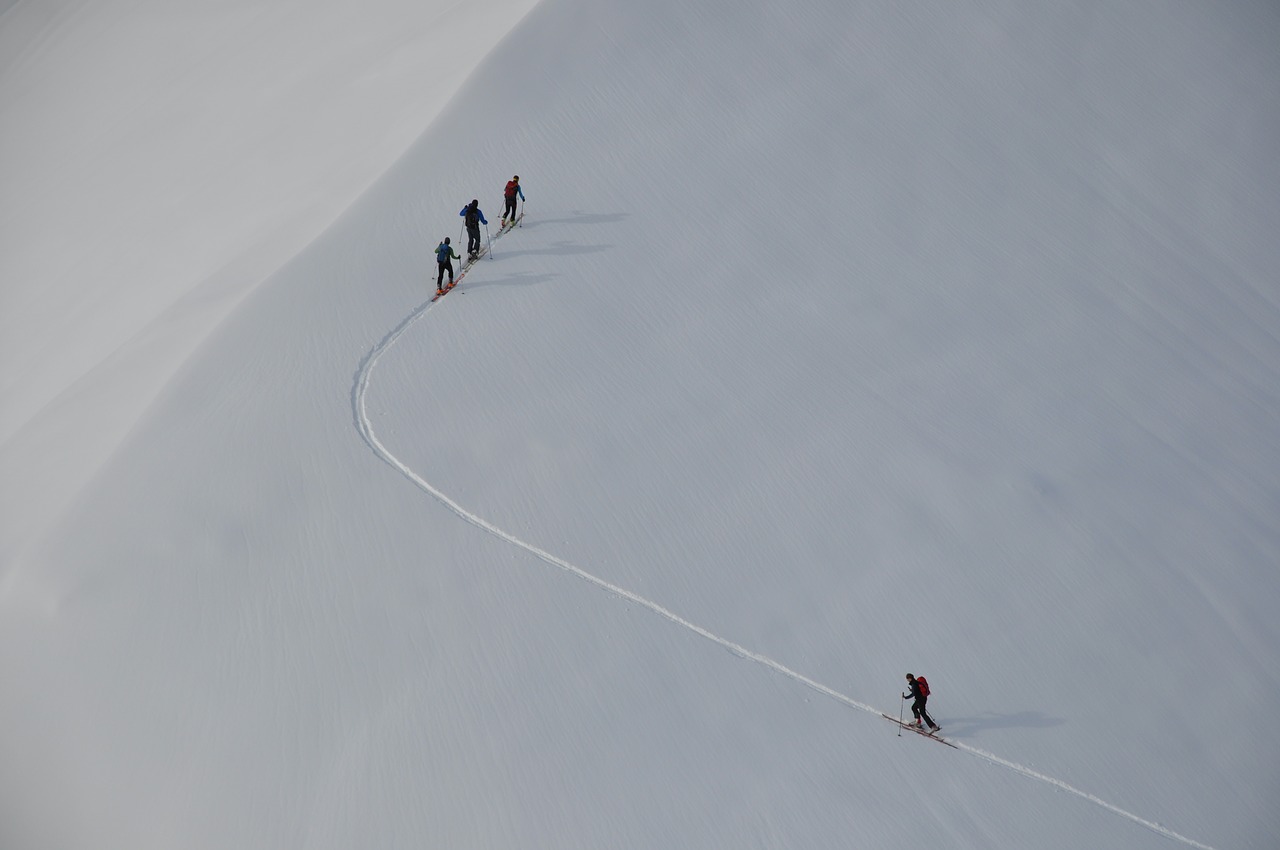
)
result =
(520, 220)
(489, 239)
(901, 703)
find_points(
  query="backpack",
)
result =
(444, 253)
(473, 217)
(924, 685)
(510, 191)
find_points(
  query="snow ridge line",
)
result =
(365, 428)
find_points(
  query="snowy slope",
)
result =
(160, 158)
(839, 341)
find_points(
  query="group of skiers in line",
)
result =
(473, 217)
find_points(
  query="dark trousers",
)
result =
(917, 708)
(446, 266)
(511, 209)
(473, 239)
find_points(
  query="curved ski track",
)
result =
(365, 427)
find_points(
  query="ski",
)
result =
(933, 736)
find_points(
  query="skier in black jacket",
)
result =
(474, 218)
(919, 698)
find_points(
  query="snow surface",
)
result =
(840, 340)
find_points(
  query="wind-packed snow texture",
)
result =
(840, 340)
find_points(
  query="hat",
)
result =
(446, 240)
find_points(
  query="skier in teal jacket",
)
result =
(444, 257)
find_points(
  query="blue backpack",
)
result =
(443, 253)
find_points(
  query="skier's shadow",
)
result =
(970, 727)
(510, 280)
(556, 249)
(575, 217)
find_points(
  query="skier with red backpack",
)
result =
(920, 696)
(509, 195)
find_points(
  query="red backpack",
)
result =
(510, 191)
(924, 685)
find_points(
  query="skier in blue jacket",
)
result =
(474, 218)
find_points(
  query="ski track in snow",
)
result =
(364, 426)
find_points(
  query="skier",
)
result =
(920, 696)
(509, 193)
(444, 256)
(474, 218)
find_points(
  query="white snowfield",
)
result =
(840, 340)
